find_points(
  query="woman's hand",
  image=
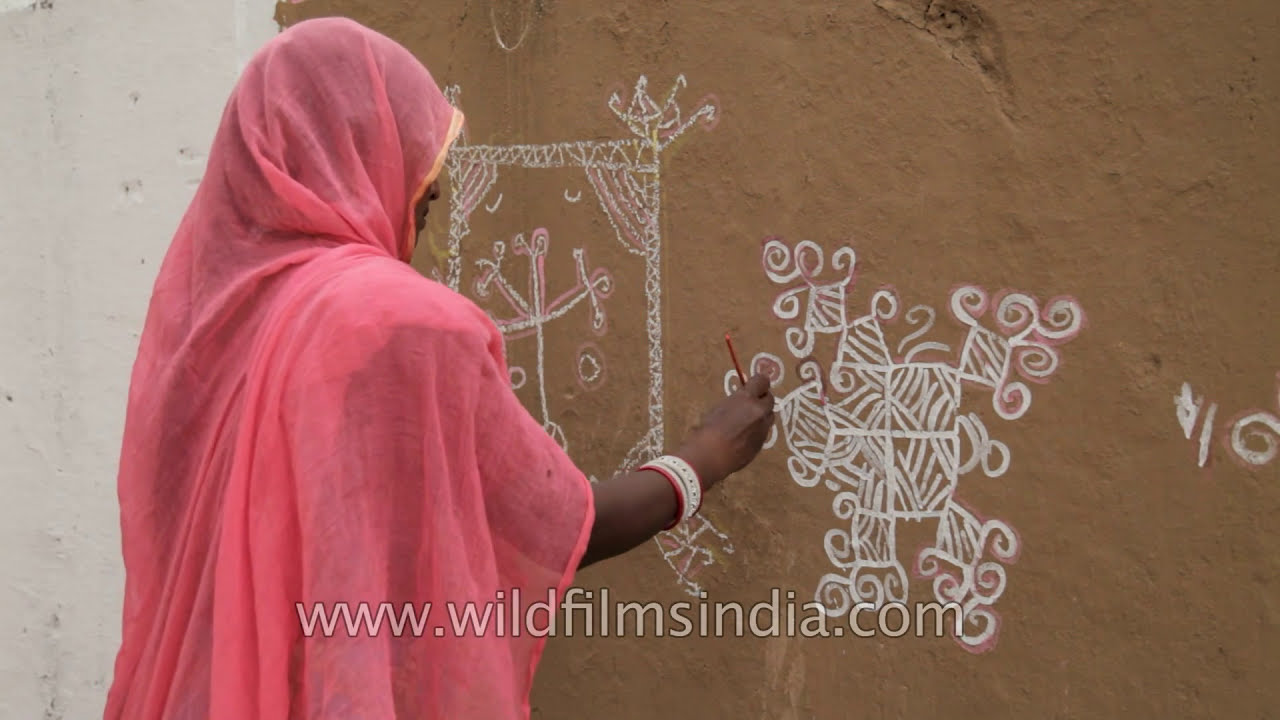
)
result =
(632, 507)
(731, 434)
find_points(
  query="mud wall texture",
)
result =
(1010, 264)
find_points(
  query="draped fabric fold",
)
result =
(313, 424)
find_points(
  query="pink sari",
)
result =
(312, 421)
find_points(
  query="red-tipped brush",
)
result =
(742, 380)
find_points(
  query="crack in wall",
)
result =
(968, 36)
(51, 678)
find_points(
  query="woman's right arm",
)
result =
(633, 507)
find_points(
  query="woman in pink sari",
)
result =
(312, 421)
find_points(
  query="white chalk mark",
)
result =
(771, 366)
(573, 198)
(885, 433)
(518, 377)
(1253, 428)
(1267, 433)
(1187, 407)
(930, 316)
(494, 207)
(531, 314)
(1206, 434)
(686, 550)
(1261, 426)
(625, 175)
(524, 30)
(590, 367)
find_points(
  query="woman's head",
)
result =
(337, 132)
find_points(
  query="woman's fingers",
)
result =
(757, 385)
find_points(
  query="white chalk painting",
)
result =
(530, 315)
(883, 429)
(625, 175)
(1253, 435)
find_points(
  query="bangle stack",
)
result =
(685, 482)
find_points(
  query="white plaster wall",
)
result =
(106, 113)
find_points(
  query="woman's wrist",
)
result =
(673, 483)
(709, 472)
(684, 483)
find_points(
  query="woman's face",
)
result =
(423, 209)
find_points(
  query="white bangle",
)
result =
(684, 477)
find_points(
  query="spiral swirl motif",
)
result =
(878, 590)
(788, 305)
(968, 303)
(1003, 540)
(778, 263)
(834, 595)
(839, 547)
(1012, 400)
(981, 625)
(846, 505)
(1063, 318)
(808, 258)
(1035, 361)
(768, 365)
(810, 370)
(800, 341)
(845, 259)
(1262, 427)
(1015, 313)
(948, 586)
(884, 305)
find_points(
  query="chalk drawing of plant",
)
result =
(532, 311)
(625, 174)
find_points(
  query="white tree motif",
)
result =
(530, 315)
(625, 175)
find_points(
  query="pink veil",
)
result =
(312, 421)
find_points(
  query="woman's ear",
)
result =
(423, 207)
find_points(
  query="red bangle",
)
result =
(675, 485)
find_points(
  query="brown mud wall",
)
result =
(1118, 155)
